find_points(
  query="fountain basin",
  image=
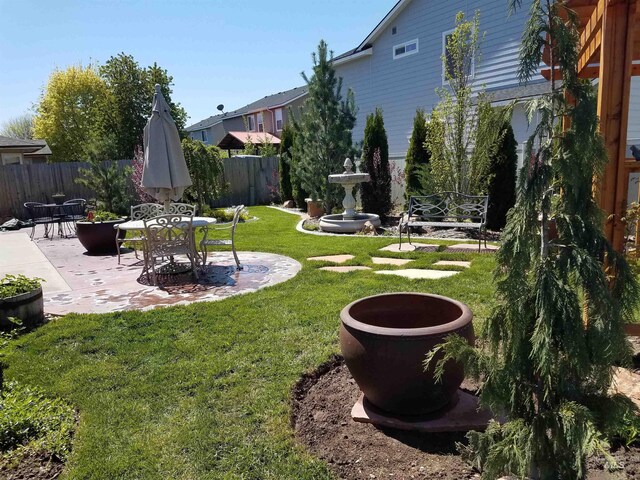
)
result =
(341, 224)
(349, 178)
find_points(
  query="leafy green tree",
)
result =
(286, 146)
(502, 179)
(108, 182)
(18, 127)
(562, 299)
(128, 106)
(418, 155)
(376, 194)
(67, 114)
(207, 172)
(323, 133)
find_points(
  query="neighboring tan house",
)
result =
(398, 67)
(23, 152)
(269, 114)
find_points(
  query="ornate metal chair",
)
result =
(209, 242)
(168, 236)
(40, 214)
(74, 210)
(182, 209)
(139, 212)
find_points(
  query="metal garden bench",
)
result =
(446, 209)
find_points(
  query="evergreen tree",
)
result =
(418, 156)
(376, 194)
(562, 300)
(323, 136)
(286, 145)
(502, 179)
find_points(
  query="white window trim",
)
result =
(276, 119)
(250, 123)
(260, 121)
(404, 44)
(205, 136)
(444, 46)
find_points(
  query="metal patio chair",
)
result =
(210, 242)
(138, 212)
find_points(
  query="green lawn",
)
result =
(202, 391)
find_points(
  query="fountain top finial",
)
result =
(347, 165)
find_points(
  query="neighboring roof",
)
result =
(43, 151)
(20, 142)
(276, 100)
(366, 43)
(237, 140)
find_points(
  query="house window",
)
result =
(251, 126)
(11, 158)
(449, 61)
(205, 138)
(260, 123)
(279, 119)
(393, 31)
(404, 49)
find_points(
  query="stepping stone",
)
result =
(406, 247)
(419, 273)
(346, 269)
(470, 248)
(332, 258)
(627, 383)
(453, 263)
(390, 261)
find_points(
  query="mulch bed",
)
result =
(34, 466)
(321, 418)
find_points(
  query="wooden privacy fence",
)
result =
(251, 181)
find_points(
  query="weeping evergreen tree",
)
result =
(323, 131)
(502, 179)
(418, 155)
(286, 145)
(376, 194)
(562, 300)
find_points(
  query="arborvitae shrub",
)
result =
(418, 156)
(502, 180)
(376, 194)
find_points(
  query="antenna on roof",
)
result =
(221, 108)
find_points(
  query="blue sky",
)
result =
(230, 52)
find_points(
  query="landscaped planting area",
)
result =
(203, 391)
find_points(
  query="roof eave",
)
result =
(384, 23)
(353, 56)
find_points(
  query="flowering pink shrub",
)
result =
(136, 176)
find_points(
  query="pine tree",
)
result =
(418, 156)
(286, 145)
(562, 301)
(376, 194)
(323, 133)
(502, 179)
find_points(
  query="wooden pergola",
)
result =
(610, 52)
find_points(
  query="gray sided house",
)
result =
(269, 115)
(398, 67)
(23, 152)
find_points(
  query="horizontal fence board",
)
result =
(250, 179)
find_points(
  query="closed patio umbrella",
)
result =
(165, 174)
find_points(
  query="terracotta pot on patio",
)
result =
(384, 340)
(99, 238)
(314, 208)
(28, 307)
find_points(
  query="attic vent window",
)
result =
(404, 49)
(393, 31)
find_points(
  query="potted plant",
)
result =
(315, 208)
(20, 297)
(97, 232)
(58, 198)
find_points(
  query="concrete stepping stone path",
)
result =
(407, 247)
(345, 269)
(390, 261)
(332, 258)
(470, 248)
(453, 263)
(419, 273)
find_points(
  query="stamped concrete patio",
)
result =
(77, 282)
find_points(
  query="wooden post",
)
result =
(616, 53)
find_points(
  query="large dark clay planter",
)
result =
(99, 238)
(384, 340)
(28, 307)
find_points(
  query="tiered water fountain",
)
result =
(349, 221)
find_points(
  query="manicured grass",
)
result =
(202, 391)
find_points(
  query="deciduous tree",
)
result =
(68, 112)
(18, 127)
